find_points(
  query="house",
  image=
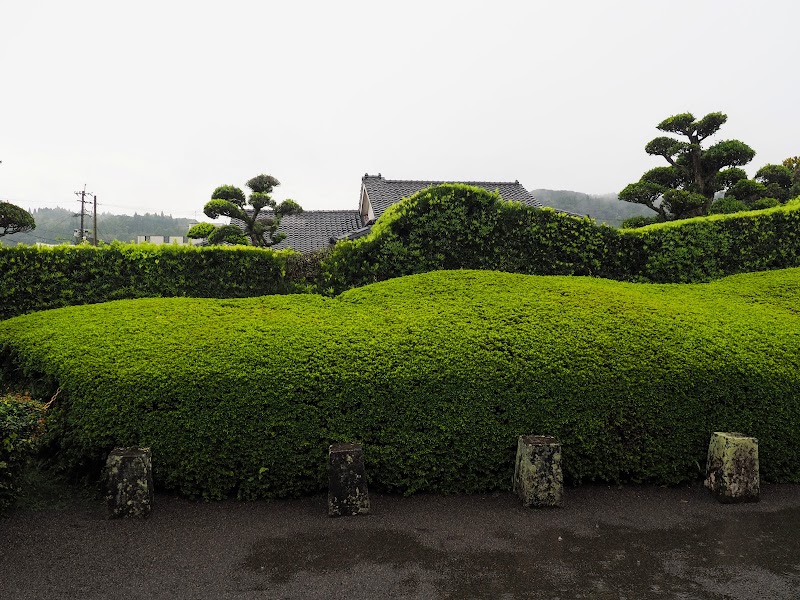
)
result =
(378, 194)
(314, 229)
(317, 229)
(180, 240)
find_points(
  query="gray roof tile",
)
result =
(385, 192)
(313, 229)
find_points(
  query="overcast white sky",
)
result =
(153, 104)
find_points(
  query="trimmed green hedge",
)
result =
(451, 226)
(37, 278)
(456, 226)
(436, 374)
(707, 248)
(20, 427)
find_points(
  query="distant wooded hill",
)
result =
(603, 208)
(56, 226)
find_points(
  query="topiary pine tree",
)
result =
(687, 186)
(229, 201)
(200, 231)
(772, 185)
(14, 219)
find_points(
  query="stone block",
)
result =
(347, 482)
(538, 478)
(732, 467)
(129, 481)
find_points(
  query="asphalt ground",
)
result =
(605, 542)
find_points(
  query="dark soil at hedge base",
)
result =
(436, 375)
(631, 542)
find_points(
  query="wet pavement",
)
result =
(630, 542)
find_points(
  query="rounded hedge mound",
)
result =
(436, 374)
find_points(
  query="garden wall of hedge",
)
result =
(38, 278)
(707, 248)
(451, 226)
(456, 226)
(436, 374)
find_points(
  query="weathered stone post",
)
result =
(129, 479)
(347, 482)
(732, 467)
(538, 479)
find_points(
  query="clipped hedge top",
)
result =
(154, 329)
(37, 278)
(789, 206)
(437, 374)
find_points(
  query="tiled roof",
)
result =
(317, 229)
(385, 192)
(313, 229)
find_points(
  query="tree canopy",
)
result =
(200, 230)
(259, 226)
(14, 219)
(772, 185)
(686, 187)
(793, 164)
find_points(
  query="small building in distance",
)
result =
(179, 240)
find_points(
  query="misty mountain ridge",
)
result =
(603, 208)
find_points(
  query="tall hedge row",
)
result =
(461, 227)
(457, 226)
(707, 248)
(38, 278)
(436, 374)
(446, 227)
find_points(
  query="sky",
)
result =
(153, 104)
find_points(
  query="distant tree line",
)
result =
(57, 226)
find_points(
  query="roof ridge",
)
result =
(382, 178)
(445, 181)
(516, 182)
(327, 210)
(311, 210)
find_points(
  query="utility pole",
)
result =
(81, 234)
(94, 224)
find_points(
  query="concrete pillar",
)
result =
(129, 479)
(732, 467)
(538, 479)
(347, 482)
